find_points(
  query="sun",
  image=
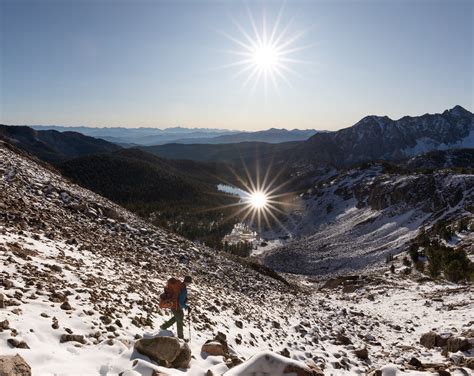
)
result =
(265, 53)
(263, 201)
(258, 200)
(265, 57)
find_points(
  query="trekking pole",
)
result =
(189, 326)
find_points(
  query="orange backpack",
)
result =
(169, 298)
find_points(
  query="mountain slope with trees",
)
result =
(53, 146)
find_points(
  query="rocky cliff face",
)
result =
(377, 137)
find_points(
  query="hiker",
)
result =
(175, 296)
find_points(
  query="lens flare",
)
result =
(265, 201)
(257, 200)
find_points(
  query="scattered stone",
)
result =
(4, 325)
(213, 348)
(66, 306)
(7, 284)
(72, 338)
(106, 320)
(455, 344)
(428, 340)
(56, 268)
(13, 342)
(362, 353)
(343, 340)
(415, 362)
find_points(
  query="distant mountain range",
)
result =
(372, 138)
(272, 136)
(154, 136)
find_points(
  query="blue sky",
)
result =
(159, 63)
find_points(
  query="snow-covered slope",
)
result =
(80, 280)
(354, 220)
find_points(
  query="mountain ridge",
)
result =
(54, 146)
(379, 137)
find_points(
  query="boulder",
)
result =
(213, 348)
(455, 344)
(442, 340)
(428, 340)
(184, 357)
(14, 366)
(269, 363)
(301, 370)
(166, 351)
(362, 353)
(217, 346)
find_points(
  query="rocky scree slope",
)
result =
(80, 280)
(356, 218)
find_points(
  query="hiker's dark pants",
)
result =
(178, 317)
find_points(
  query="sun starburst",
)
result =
(266, 54)
(264, 198)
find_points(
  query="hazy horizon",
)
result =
(165, 64)
(222, 129)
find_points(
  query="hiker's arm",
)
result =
(182, 299)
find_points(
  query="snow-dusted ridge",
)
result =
(59, 242)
